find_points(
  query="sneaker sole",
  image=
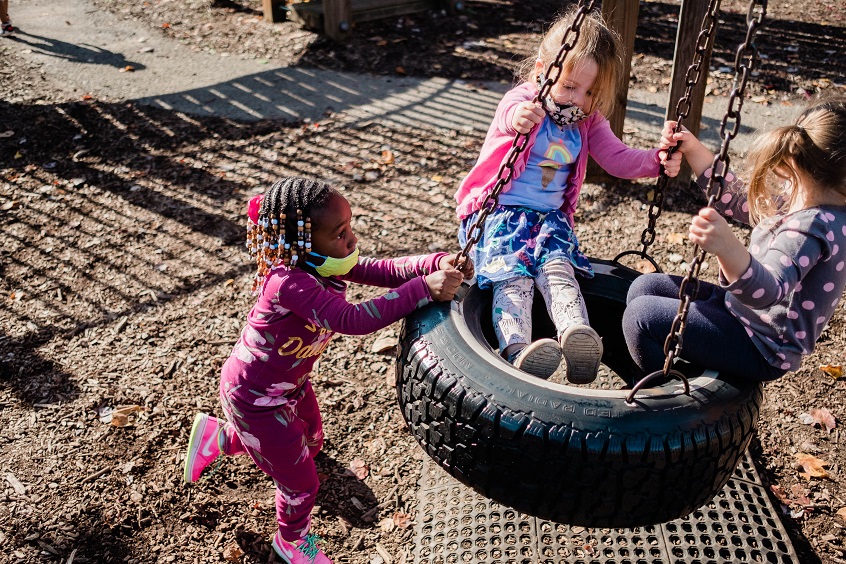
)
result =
(582, 351)
(540, 359)
(197, 431)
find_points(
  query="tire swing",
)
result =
(577, 455)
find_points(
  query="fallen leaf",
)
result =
(437, 178)
(780, 494)
(800, 493)
(813, 467)
(644, 266)
(387, 524)
(232, 552)
(359, 468)
(120, 415)
(165, 25)
(127, 68)
(403, 520)
(387, 157)
(7, 133)
(841, 513)
(675, 238)
(400, 70)
(824, 418)
(833, 370)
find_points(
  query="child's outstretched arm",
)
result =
(697, 155)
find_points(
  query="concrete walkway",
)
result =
(82, 50)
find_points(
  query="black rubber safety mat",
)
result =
(456, 525)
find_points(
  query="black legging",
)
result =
(713, 337)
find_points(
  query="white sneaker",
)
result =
(540, 358)
(582, 350)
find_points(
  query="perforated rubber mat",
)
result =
(456, 525)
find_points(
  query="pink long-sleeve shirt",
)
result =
(598, 141)
(297, 313)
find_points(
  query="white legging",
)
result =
(512, 303)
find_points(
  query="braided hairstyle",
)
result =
(282, 234)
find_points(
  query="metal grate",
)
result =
(456, 525)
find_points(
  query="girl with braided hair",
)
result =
(775, 297)
(300, 236)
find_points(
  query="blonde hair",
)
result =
(811, 151)
(596, 42)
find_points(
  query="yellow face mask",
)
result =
(330, 266)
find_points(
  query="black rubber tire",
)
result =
(569, 454)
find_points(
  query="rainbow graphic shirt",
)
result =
(541, 186)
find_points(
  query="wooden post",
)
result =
(691, 15)
(337, 19)
(273, 11)
(621, 16)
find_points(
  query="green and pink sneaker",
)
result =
(204, 446)
(303, 551)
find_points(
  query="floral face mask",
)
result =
(560, 114)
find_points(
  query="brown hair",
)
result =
(812, 151)
(596, 42)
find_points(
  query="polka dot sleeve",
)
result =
(732, 202)
(778, 264)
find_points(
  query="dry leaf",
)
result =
(383, 344)
(127, 68)
(400, 70)
(813, 467)
(402, 520)
(120, 415)
(841, 513)
(833, 370)
(359, 468)
(824, 418)
(232, 552)
(778, 491)
(387, 157)
(644, 266)
(387, 524)
(675, 238)
(437, 178)
(801, 494)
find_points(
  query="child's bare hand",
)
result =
(527, 115)
(448, 262)
(672, 165)
(443, 284)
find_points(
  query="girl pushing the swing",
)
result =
(528, 239)
(774, 298)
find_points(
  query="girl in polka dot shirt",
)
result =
(774, 298)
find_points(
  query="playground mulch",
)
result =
(124, 284)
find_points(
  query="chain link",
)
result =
(704, 42)
(743, 64)
(521, 140)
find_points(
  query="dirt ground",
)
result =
(124, 283)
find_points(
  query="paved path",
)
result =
(82, 49)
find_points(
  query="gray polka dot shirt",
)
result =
(796, 277)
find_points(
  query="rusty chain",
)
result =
(744, 62)
(506, 170)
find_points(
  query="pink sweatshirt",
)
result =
(598, 141)
(297, 314)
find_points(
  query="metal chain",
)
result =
(744, 62)
(506, 170)
(704, 42)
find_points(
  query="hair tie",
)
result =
(253, 208)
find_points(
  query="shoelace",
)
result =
(309, 546)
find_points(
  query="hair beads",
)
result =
(280, 234)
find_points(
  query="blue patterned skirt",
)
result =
(517, 241)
